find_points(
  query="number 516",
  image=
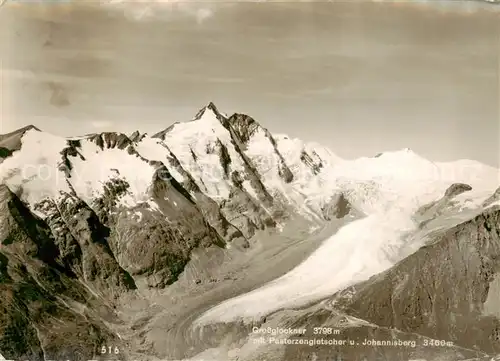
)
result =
(110, 349)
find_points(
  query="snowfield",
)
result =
(36, 167)
(100, 166)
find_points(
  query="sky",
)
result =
(360, 77)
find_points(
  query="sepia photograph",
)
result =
(212, 180)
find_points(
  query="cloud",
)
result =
(203, 14)
(163, 9)
(99, 124)
(201, 10)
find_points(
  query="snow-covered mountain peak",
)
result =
(11, 142)
(401, 164)
(222, 156)
(19, 132)
(403, 153)
(208, 111)
(204, 119)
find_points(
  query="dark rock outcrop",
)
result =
(156, 240)
(207, 206)
(446, 204)
(354, 339)
(136, 136)
(339, 207)
(457, 188)
(109, 140)
(41, 292)
(84, 244)
(243, 127)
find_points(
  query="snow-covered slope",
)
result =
(48, 166)
(228, 153)
(200, 146)
(35, 167)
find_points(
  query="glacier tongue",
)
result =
(357, 251)
(388, 189)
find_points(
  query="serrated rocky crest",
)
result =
(126, 209)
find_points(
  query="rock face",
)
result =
(445, 204)
(158, 240)
(41, 291)
(359, 340)
(84, 243)
(456, 189)
(338, 208)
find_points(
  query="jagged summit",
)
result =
(111, 140)
(212, 107)
(208, 112)
(208, 109)
(137, 136)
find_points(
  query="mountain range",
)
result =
(175, 245)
